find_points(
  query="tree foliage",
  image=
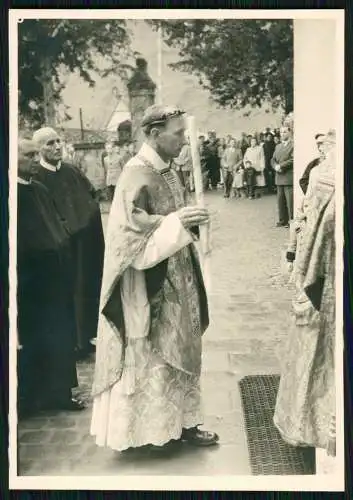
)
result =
(241, 62)
(48, 47)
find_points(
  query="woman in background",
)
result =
(255, 155)
(232, 159)
(113, 163)
(223, 145)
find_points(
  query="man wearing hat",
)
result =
(74, 198)
(46, 320)
(154, 311)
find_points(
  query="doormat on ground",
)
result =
(269, 454)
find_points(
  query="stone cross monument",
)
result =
(141, 90)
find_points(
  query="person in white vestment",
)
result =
(154, 311)
(255, 154)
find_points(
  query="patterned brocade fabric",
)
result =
(175, 312)
(305, 407)
(165, 401)
(185, 276)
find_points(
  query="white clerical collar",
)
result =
(153, 157)
(23, 181)
(50, 167)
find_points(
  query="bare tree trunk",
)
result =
(48, 95)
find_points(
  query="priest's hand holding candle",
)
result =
(192, 216)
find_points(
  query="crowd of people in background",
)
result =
(245, 167)
(102, 170)
(224, 161)
(241, 166)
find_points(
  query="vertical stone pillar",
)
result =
(141, 90)
(315, 102)
(317, 83)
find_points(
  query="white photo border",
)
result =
(175, 483)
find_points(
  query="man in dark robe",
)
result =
(213, 160)
(46, 321)
(74, 199)
(304, 181)
(269, 147)
(245, 142)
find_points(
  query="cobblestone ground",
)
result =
(249, 317)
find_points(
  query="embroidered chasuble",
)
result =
(153, 314)
(305, 404)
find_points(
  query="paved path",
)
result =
(249, 317)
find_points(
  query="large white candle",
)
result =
(200, 200)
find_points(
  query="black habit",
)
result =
(304, 181)
(213, 162)
(74, 199)
(46, 320)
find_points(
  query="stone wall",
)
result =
(316, 98)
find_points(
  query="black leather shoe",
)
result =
(197, 437)
(72, 404)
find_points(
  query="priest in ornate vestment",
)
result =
(46, 321)
(153, 310)
(305, 410)
(74, 198)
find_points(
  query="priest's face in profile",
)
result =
(52, 150)
(27, 161)
(171, 137)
